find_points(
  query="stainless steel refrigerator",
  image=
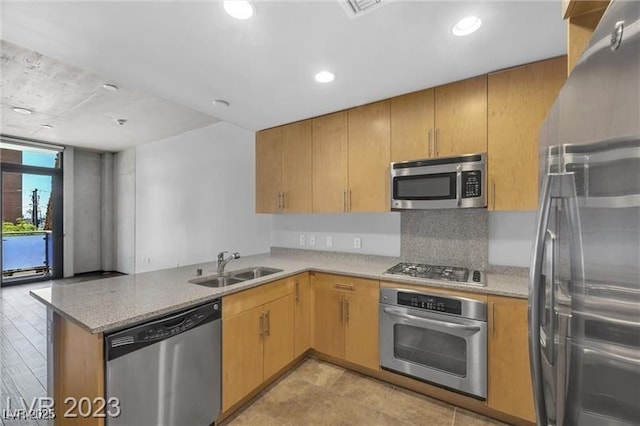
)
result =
(584, 300)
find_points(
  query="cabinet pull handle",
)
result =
(437, 143)
(493, 192)
(344, 201)
(350, 200)
(429, 143)
(345, 286)
(267, 321)
(341, 310)
(282, 206)
(297, 291)
(493, 319)
(261, 325)
(346, 303)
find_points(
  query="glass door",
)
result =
(31, 215)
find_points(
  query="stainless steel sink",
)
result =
(216, 281)
(254, 272)
(235, 277)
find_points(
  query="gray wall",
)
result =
(87, 212)
(124, 210)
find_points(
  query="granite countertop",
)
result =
(112, 303)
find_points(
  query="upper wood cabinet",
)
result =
(412, 126)
(369, 157)
(330, 155)
(510, 389)
(519, 100)
(296, 167)
(461, 117)
(268, 170)
(283, 169)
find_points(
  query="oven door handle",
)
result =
(435, 323)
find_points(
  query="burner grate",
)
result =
(434, 272)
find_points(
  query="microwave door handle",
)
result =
(435, 323)
(459, 185)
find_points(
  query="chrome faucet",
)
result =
(222, 262)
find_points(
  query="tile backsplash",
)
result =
(445, 237)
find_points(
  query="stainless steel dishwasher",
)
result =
(167, 371)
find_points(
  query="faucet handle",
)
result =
(221, 255)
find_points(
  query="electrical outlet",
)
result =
(357, 243)
(329, 241)
(302, 240)
(312, 240)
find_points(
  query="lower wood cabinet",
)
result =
(303, 297)
(257, 337)
(510, 389)
(346, 318)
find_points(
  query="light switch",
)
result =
(357, 243)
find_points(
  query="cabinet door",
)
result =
(268, 170)
(303, 314)
(329, 322)
(519, 100)
(296, 167)
(330, 163)
(242, 359)
(412, 126)
(510, 389)
(278, 335)
(361, 330)
(369, 157)
(461, 117)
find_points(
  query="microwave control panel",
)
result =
(471, 184)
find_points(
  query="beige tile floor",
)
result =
(318, 393)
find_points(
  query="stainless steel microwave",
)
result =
(440, 183)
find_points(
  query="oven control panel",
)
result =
(430, 302)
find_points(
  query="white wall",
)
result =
(124, 171)
(510, 234)
(379, 233)
(510, 238)
(195, 196)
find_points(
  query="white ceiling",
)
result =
(193, 52)
(81, 111)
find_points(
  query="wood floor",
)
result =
(317, 393)
(23, 348)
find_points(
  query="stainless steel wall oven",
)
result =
(435, 338)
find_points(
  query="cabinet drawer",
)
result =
(359, 286)
(237, 303)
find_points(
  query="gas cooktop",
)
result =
(438, 272)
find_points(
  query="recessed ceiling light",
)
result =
(110, 87)
(221, 102)
(239, 9)
(325, 77)
(21, 110)
(46, 126)
(466, 26)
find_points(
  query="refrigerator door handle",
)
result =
(536, 297)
